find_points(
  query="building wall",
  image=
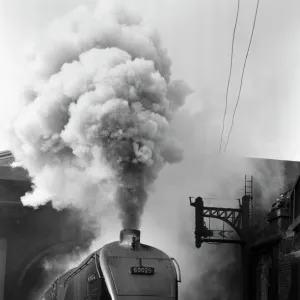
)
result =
(25, 233)
(3, 248)
(277, 279)
(295, 203)
(278, 267)
(284, 278)
(263, 274)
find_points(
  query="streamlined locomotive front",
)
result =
(135, 271)
(124, 270)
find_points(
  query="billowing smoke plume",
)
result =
(94, 125)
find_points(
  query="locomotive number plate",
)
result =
(142, 270)
(91, 278)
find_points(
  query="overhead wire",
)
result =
(230, 71)
(242, 77)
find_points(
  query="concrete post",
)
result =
(3, 246)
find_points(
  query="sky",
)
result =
(198, 36)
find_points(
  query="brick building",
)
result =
(275, 271)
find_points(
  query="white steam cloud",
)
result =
(94, 124)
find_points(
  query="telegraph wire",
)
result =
(241, 83)
(230, 71)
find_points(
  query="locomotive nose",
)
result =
(130, 238)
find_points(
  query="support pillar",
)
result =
(245, 252)
(3, 247)
(245, 270)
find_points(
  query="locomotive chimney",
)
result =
(130, 238)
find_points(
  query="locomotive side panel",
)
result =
(97, 289)
(61, 291)
(77, 282)
(86, 283)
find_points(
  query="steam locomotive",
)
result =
(125, 269)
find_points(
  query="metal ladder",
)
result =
(249, 192)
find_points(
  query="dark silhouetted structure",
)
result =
(276, 251)
(270, 256)
(28, 236)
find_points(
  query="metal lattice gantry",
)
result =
(231, 216)
(236, 218)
